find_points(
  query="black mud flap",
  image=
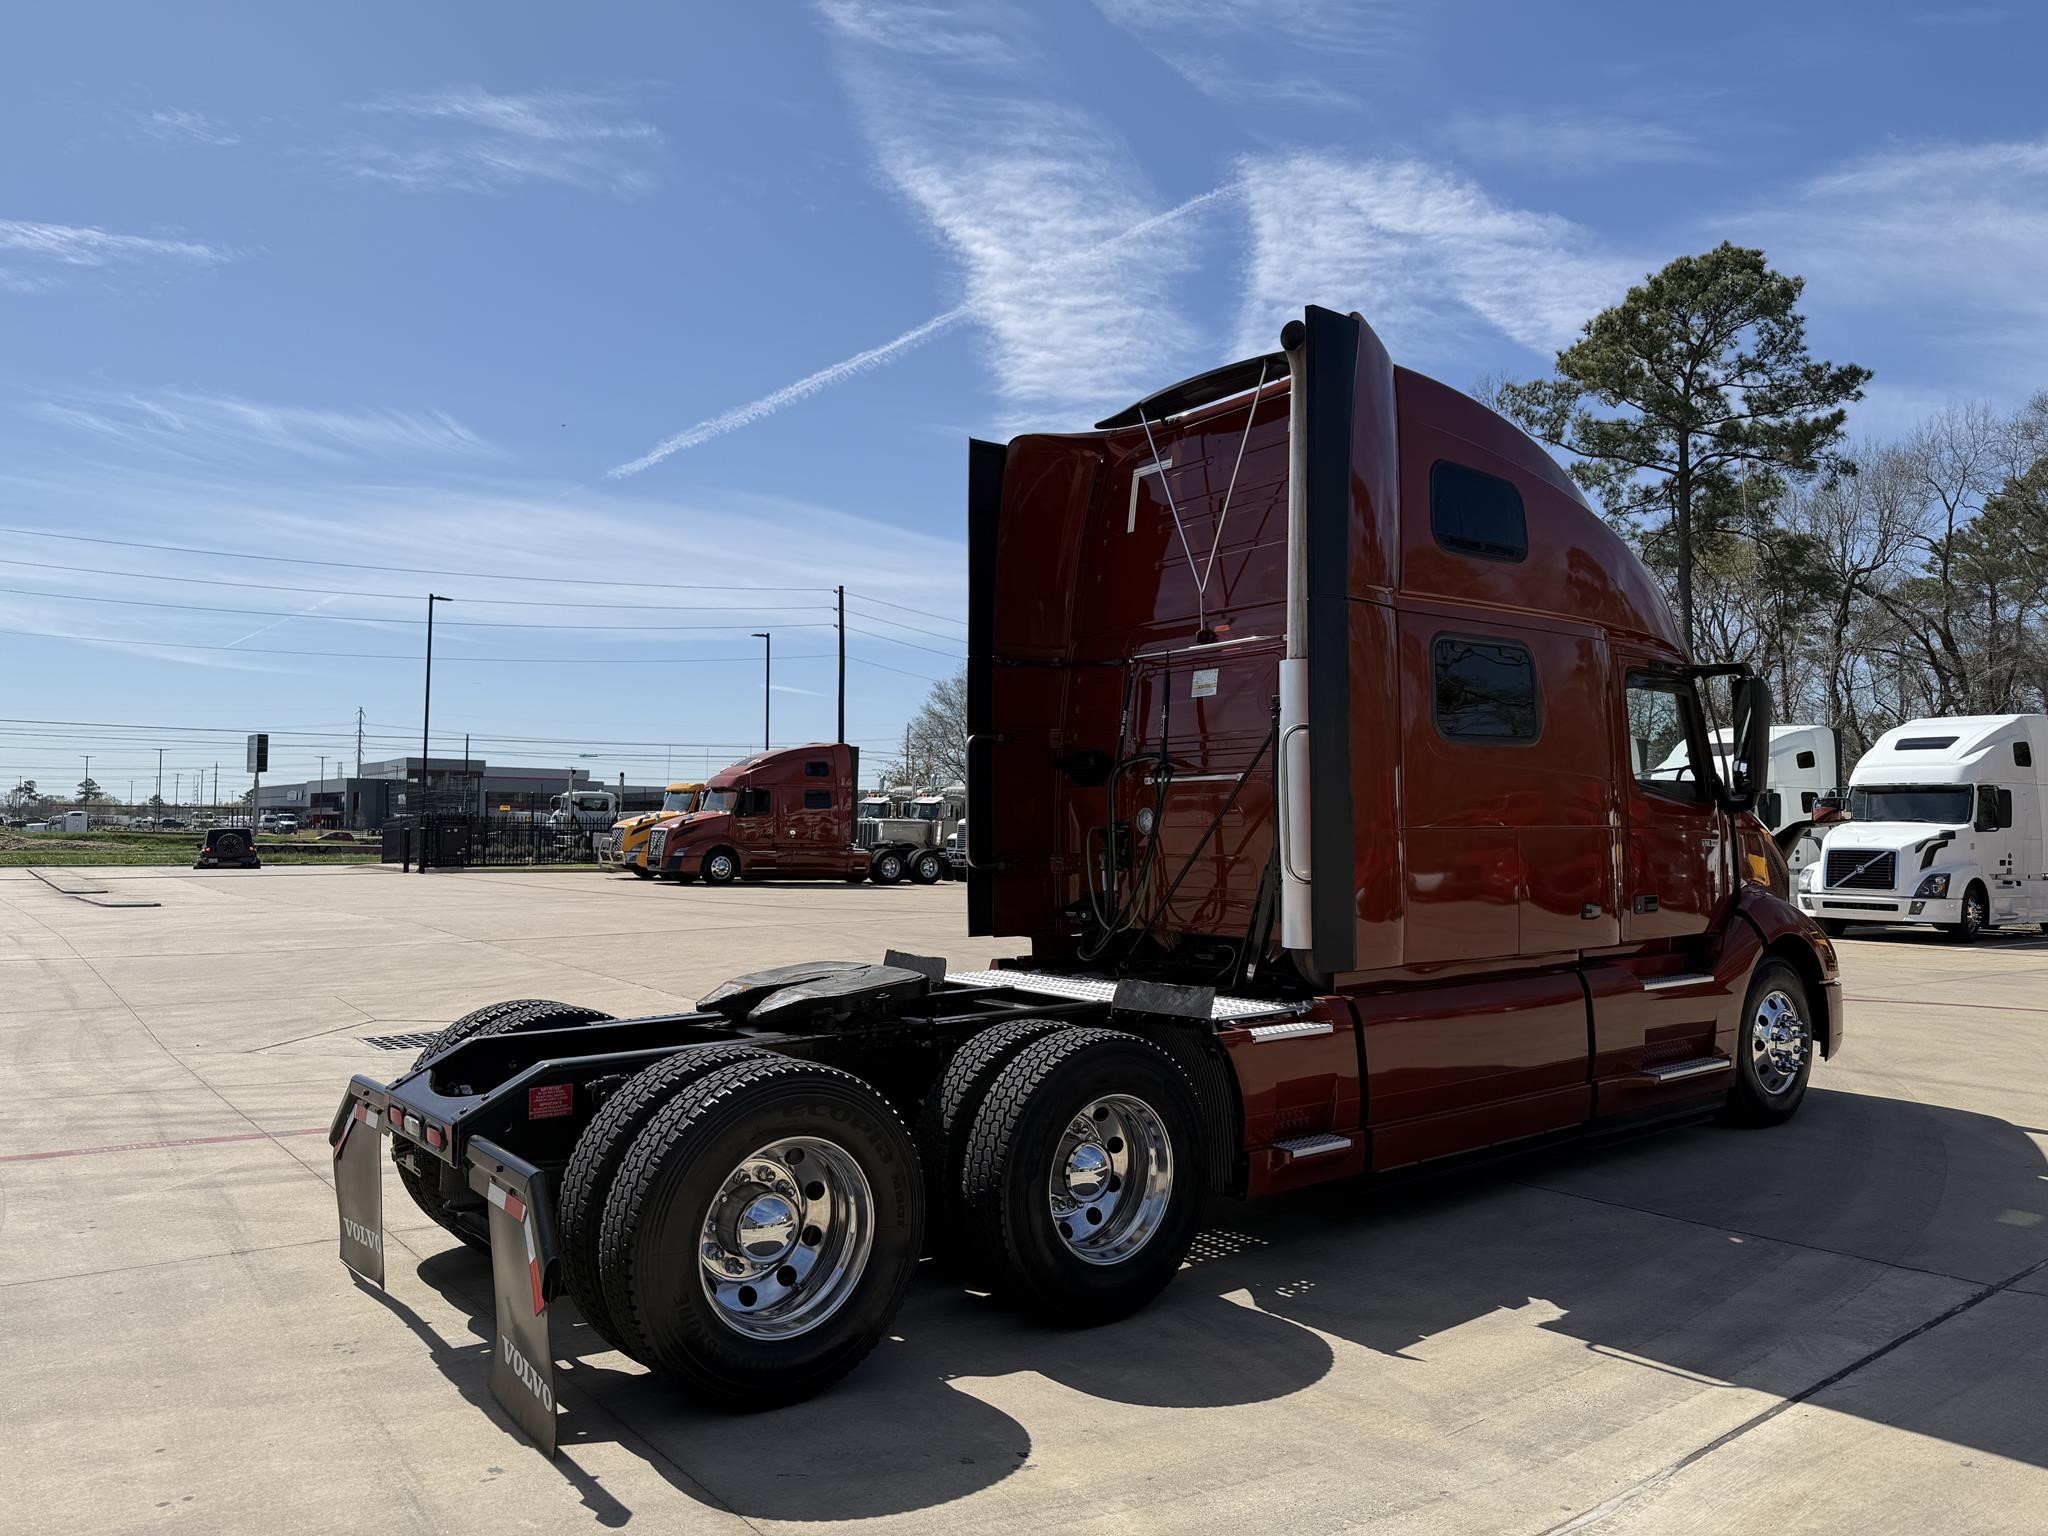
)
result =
(358, 1141)
(522, 1256)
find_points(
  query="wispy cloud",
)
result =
(984, 34)
(39, 258)
(174, 125)
(470, 140)
(1419, 249)
(1067, 257)
(198, 426)
(1950, 241)
(1267, 52)
(1565, 144)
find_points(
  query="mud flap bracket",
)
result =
(522, 1261)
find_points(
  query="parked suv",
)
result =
(228, 848)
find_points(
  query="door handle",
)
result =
(1646, 904)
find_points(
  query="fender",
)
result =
(1791, 935)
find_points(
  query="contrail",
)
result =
(889, 351)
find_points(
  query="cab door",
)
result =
(1673, 859)
(753, 825)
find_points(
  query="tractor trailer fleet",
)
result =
(1309, 706)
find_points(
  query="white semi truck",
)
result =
(1945, 829)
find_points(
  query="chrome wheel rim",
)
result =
(1111, 1179)
(720, 867)
(890, 869)
(1778, 1041)
(787, 1238)
(1973, 913)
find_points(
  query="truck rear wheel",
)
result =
(947, 1117)
(926, 868)
(886, 868)
(1773, 1048)
(424, 1184)
(1083, 1176)
(762, 1231)
(600, 1151)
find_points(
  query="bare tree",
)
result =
(934, 750)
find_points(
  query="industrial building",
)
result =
(453, 786)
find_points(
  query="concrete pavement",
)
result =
(1838, 1325)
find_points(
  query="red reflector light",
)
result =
(434, 1136)
(397, 1115)
(548, 1103)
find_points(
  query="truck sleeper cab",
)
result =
(1308, 704)
(1945, 828)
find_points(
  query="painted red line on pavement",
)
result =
(159, 1146)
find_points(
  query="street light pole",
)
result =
(426, 721)
(767, 686)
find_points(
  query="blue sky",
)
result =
(710, 297)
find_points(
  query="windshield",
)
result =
(927, 812)
(720, 799)
(681, 801)
(874, 810)
(1945, 805)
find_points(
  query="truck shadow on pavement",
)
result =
(1715, 1257)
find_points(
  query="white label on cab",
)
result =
(1205, 684)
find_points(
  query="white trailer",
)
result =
(1945, 828)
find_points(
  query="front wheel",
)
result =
(762, 1231)
(721, 867)
(1976, 916)
(1833, 927)
(1774, 1049)
(1083, 1178)
(641, 871)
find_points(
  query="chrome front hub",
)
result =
(1111, 1179)
(787, 1238)
(1778, 1042)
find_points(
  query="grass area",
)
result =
(19, 848)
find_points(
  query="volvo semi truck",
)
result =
(1308, 701)
(1944, 829)
(626, 847)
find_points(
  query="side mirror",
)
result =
(1749, 767)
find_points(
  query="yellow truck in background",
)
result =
(626, 847)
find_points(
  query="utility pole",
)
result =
(767, 686)
(83, 790)
(426, 722)
(177, 787)
(842, 666)
(159, 779)
(357, 818)
(216, 788)
(310, 807)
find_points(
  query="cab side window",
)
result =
(1664, 746)
(754, 802)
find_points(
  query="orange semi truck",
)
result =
(1307, 699)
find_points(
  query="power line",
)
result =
(943, 618)
(257, 650)
(364, 618)
(404, 570)
(876, 618)
(413, 597)
(855, 629)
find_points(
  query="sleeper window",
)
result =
(1476, 514)
(817, 799)
(1485, 690)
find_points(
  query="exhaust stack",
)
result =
(1297, 930)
